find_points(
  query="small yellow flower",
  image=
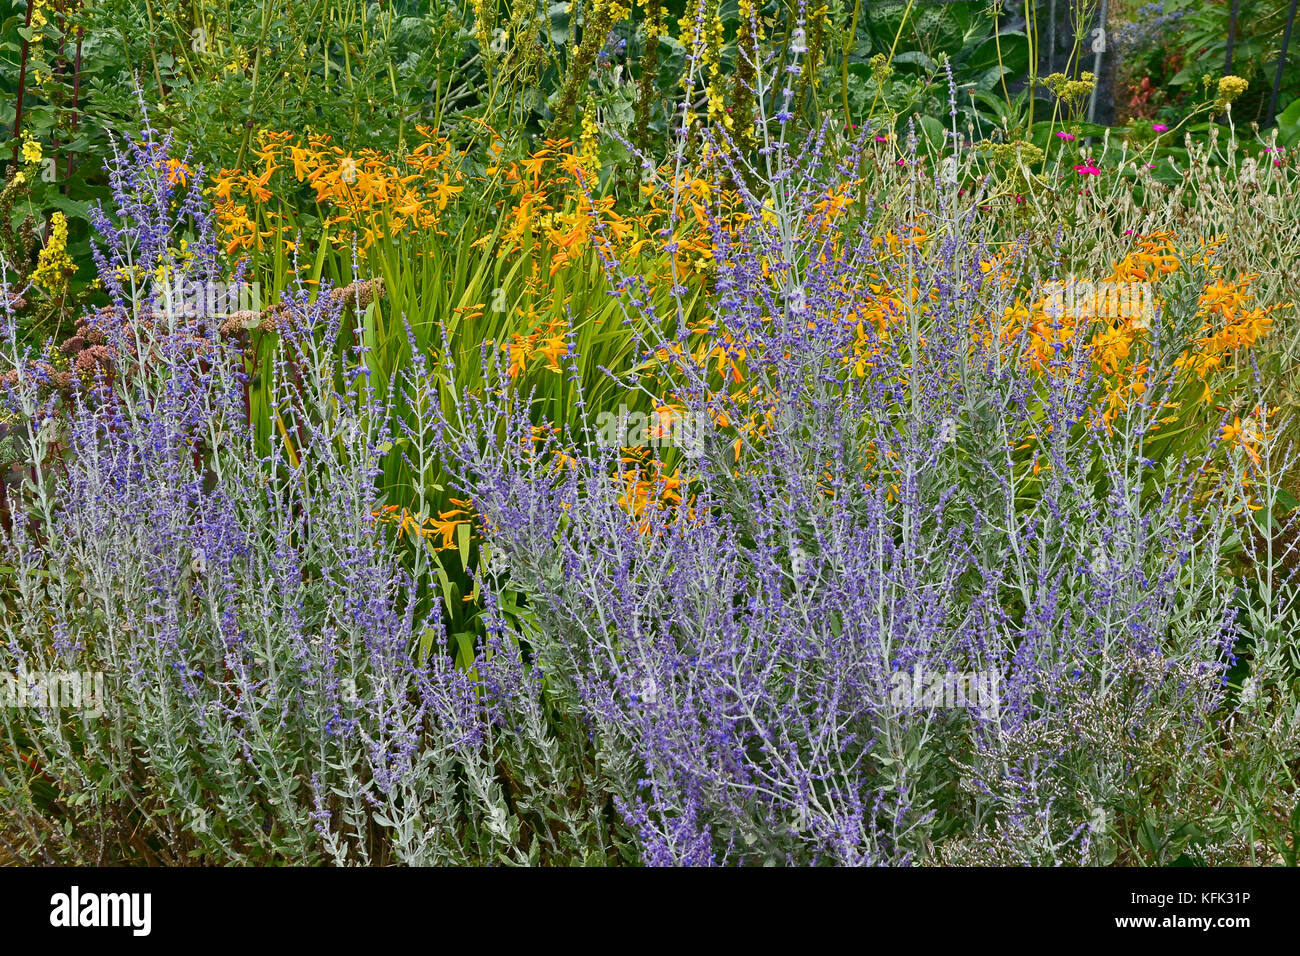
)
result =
(31, 150)
(1230, 89)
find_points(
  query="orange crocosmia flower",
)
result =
(370, 188)
(323, 183)
(177, 172)
(556, 348)
(535, 164)
(267, 154)
(303, 162)
(519, 351)
(445, 526)
(445, 190)
(257, 186)
(224, 183)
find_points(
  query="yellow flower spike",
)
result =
(31, 150)
(53, 265)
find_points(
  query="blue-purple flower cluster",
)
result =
(255, 627)
(701, 657)
(737, 623)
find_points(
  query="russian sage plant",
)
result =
(248, 617)
(886, 581)
(897, 492)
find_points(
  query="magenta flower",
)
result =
(1089, 168)
(1067, 137)
(1159, 127)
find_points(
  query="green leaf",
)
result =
(933, 130)
(465, 649)
(1008, 50)
(1149, 837)
(463, 535)
(916, 58)
(426, 643)
(1288, 124)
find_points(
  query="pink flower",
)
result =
(1089, 168)
(1068, 137)
(1159, 127)
(882, 139)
